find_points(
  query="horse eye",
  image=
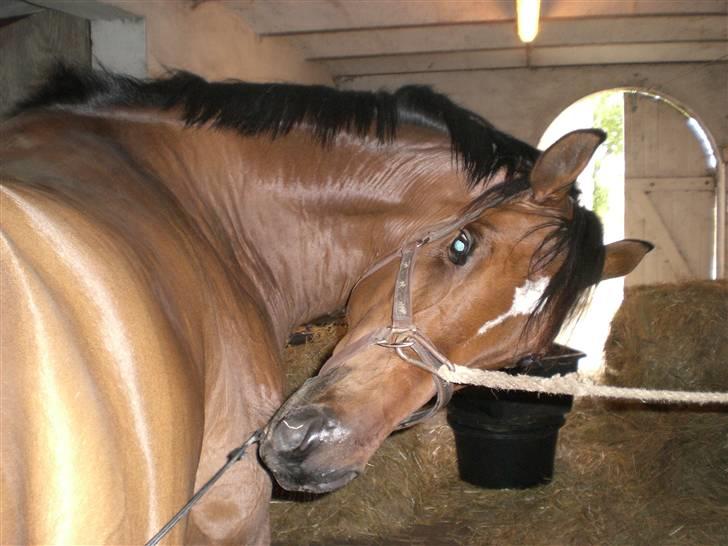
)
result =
(460, 248)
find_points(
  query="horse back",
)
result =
(94, 381)
(114, 315)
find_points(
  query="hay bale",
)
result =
(303, 360)
(671, 336)
(625, 474)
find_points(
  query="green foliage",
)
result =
(601, 199)
(609, 116)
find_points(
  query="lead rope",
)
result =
(233, 457)
(572, 384)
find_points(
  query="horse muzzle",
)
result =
(299, 447)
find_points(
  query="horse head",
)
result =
(483, 291)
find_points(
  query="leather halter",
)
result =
(403, 335)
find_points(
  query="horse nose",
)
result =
(301, 430)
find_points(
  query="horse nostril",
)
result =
(300, 431)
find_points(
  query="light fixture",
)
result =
(527, 12)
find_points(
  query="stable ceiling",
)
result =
(365, 37)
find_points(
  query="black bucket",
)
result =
(507, 439)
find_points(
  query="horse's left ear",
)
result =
(623, 256)
(557, 168)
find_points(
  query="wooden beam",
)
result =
(516, 57)
(297, 16)
(428, 62)
(670, 52)
(360, 43)
(502, 35)
(701, 183)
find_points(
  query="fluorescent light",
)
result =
(527, 12)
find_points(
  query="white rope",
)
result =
(573, 384)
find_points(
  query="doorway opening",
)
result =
(655, 174)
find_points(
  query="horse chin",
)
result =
(297, 474)
(314, 483)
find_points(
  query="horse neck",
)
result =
(302, 222)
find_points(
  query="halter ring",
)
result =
(407, 342)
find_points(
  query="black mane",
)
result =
(276, 108)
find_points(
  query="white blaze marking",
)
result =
(525, 299)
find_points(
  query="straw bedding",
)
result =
(625, 474)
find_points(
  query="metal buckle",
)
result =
(407, 342)
(397, 338)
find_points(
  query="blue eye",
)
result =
(460, 248)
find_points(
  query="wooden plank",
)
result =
(701, 183)
(601, 8)
(406, 40)
(629, 53)
(666, 143)
(428, 62)
(612, 30)
(499, 35)
(289, 16)
(295, 16)
(660, 231)
(517, 57)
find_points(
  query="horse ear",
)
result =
(623, 256)
(557, 168)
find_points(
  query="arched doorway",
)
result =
(654, 179)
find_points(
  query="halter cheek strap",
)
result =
(404, 337)
(410, 344)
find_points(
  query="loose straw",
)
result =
(575, 385)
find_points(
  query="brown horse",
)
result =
(161, 239)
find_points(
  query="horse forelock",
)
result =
(575, 239)
(578, 242)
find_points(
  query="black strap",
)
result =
(233, 457)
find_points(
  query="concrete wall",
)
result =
(30, 45)
(213, 41)
(525, 101)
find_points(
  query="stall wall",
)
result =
(525, 101)
(211, 40)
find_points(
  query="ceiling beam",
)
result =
(502, 35)
(537, 57)
(428, 62)
(296, 16)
